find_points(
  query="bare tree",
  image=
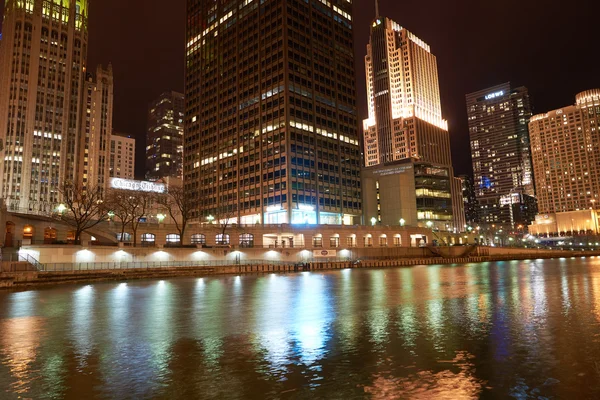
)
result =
(82, 207)
(117, 202)
(179, 206)
(138, 204)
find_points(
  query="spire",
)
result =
(376, 8)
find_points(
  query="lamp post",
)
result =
(373, 221)
(402, 221)
(160, 218)
(210, 219)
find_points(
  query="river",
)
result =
(521, 329)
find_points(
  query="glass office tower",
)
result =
(271, 122)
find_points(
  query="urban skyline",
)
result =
(472, 53)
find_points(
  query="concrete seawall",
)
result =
(27, 279)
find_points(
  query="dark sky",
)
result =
(549, 46)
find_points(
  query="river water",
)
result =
(526, 329)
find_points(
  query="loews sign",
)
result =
(138, 186)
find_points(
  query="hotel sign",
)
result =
(138, 186)
(494, 95)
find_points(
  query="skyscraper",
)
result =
(406, 140)
(271, 120)
(43, 56)
(97, 128)
(503, 178)
(405, 111)
(122, 156)
(566, 158)
(164, 138)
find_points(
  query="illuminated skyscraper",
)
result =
(271, 120)
(498, 118)
(97, 129)
(405, 112)
(164, 138)
(406, 140)
(43, 55)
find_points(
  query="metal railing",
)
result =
(31, 260)
(91, 266)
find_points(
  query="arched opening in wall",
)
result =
(222, 239)
(368, 240)
(198, 238)
(71, 237)
(397, 240)
(148, 239)
(383, 240)
(334, 241)
(246, 240)
(9, 234)
(351, 241)
(50, 235)
(28, 232)
(126, 237)
(318, 241)
(173, 239)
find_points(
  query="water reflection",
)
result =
(521, 329)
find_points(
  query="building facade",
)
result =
(43, 58)
(122, 156)
(566, 160)
(164, 137)
(271, 121)
(405, 124)
(500, 150)
(94, 157)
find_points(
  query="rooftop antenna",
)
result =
(376, 8)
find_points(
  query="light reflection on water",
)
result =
(520, 329)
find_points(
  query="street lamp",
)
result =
(402, 221)
(373, 221)
(210, 219)
(429, 224)
(61, 208)
(160, 218)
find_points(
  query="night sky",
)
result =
(549, 46)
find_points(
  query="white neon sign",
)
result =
(494, 95)
(138, 186)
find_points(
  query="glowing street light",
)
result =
(210, 219)
(402, 221)
(61, 208)
(429, 224)
(373, 221)
(160, 218)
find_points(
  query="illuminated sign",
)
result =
(305, 207)
(138, 186)
(324, 253)
(494, 95)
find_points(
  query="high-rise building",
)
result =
(271, 119)
(566, 160)
(122, 156)
(97, 128)
(405, 124)
(469, 199)
(503, 176)
(164, 138)
(43, 57)
(405, 111)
